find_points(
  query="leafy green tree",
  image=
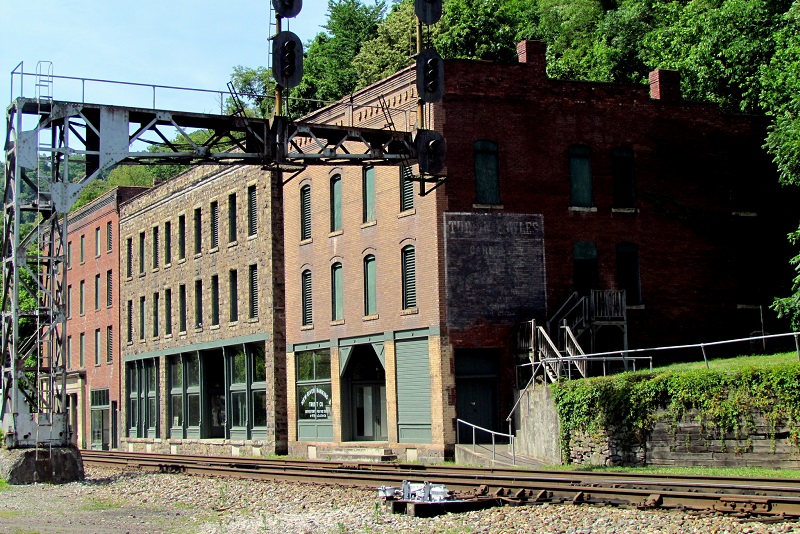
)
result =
(391, 49)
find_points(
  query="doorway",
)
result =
(364, 389)
(213, 419)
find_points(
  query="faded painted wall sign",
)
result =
(494, 267)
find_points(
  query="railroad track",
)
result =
(766, 497)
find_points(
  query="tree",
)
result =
(391, 49)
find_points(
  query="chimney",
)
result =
(533, 53)
(665, 85)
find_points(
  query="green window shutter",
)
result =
(129, 259)
(168, 311)
(155, 314)
(337, 293)
(253, 291)
(181, 237)
(141, 252)
(141, 318)
(215, 300)
(167, 242)
(368, 190)
(232, 230)
(487, 172)
(252, 211)
(305, 212)
(109, 288)
(198, 231)
(198, 303)
(624, 180)
(182, 308)
(234, 295)
(406, 188)
(336, 203)
(214, 224)
(580, 176)
(370, 286)
(307, 315)
(130, 321)
(155, 247)
(409, 277)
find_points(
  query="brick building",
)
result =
(202, 325)
(93, 355)
(401, 309)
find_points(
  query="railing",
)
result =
(547, 353)
(494, 441)
(608, 304)
(572, 348)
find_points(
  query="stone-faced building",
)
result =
(401, 309)
(202, 325)
(93, 354)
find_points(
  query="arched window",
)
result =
(336, 203)
(487, 172)
(580, 176)
(305, 212)
(337, 292)
(409, 268)
(305, 287)
(370, 286)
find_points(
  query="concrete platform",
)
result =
(56, 465)
(483, 455)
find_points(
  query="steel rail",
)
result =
(759, 496)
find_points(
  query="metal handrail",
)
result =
(547, 347)
(572, 348)
(493, 433)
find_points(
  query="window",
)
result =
(97, 347)
(167, 243)
(109, 237)
(406, 188)
(214, 224)
(313, 387)
(628, 276)
(83, 248)
(97, 242)
(182, 237)
(155, 247)
(143, 398)
(585, 267)
(252, 211)
(69, 302)
(141, 318)
(97, 292)
(337, 292)
(368, 194)
(233, 278)
(82, 298)
(155, 314)
(130, 321)
(580, 176)
(100, 419)
(305, 212)
(69, 255)
(232, 218)
(141, 252)
(82, 349)
(487, 172)
(370, 286)
(305, 288)
(168, 312)
(109, 288)
(109, 344)
(69, 352)
(182, 308)
(176, 396)
(129, 257)
(409, 268)
(336, 203)
(215, 300)
(624, 179)
(253, 291)
(198, 304)
(198, 231)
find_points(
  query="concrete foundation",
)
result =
(57, 465)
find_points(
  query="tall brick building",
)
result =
(93, 355)
(202, 325)
(401, 308)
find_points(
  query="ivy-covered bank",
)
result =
(721, 415)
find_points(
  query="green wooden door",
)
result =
(413, 391)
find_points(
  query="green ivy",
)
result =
(629, 404)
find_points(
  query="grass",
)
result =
(745, 472)
(96, 505)
(730, 364)
(4, 514)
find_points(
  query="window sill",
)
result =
(212, 250)
(635, 307)
(214, 327)
(407, 213)
(168, 265)
(337, 323)
(336, 233)
(624, 210)
(142, 274)
(232, 244)
(583, 209)
(307, 327)
(198, 329)
(744, 214)
(306, 241)
(167, 336)
(252, 320)
(410, 311)
(251, 237)
(181, 260)
(231, 324)
(154, 269)
(369, 223)
(488, 206)
(142, 341)
(182, 334)
(371, 317)
(197, 255)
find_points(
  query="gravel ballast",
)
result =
(137, 502)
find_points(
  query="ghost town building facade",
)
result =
(92, 350)
(402, 309)
(202, 326)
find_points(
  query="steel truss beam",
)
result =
(39, 192)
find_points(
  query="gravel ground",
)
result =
(134, 502)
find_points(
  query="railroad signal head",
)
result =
(431, 151)
(287, 59)
(287, 8)
(428, 11)
(430, 76)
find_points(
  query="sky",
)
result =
(168, 42)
